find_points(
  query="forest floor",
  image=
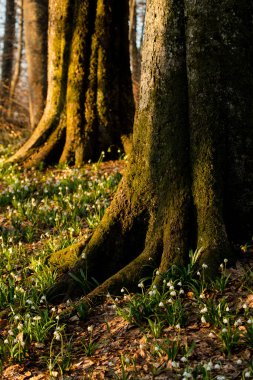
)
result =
(189, 329)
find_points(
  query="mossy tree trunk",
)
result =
(190, 180)
(36, 28)
(8, 54)
(89, 105)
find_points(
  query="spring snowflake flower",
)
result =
(90, 328)
(6, 341)
(179, 283)
(175, 364)
(225, 320)
(141, 285)
(198, 273)
(225, 261)
(177, 326)
(187, 375)
(247, 374)
(181, 291)
(161, 304)
(245, 306)
(57, 335)
(122, 290)
(239, 362)
(203, 319)
(10, 332)
(204, 266)
(224, 330)
(227, 308)
(204, 310)
(220, 377)
(37, 318)
(217, 366)
(183, 359)
(173, 293)
(157, 273)
(127, 360)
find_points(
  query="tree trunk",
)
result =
(8, 53)
(18, 61)
(36, 28)
(135, 55)
(89, 104)
(189, 184)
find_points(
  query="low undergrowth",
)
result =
(186, 328)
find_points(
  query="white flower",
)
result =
(224, 330)
(203, 319)
(247, 374)
(37, 318)
(245, 306)
(221, 266)
(238, 322)
(225, 320)
(173, 293)
(217, 366)
(54, 373)
(6, 341)
(29, 302)
(169, 284)
(157, 273)
(174, 364)
(141, 285)
(16, 317)
(220, 377)
(110, 364)
(90, 328)
(161, 304)
(179, 283)
(211, 335)
(187, 375)
(202, 296)
(225, 261)
(183, 359)
(181, 291)
(172, 287)
(57, 335)
(204, 266)
(154, 286)
(204, 310)
(127, 360)
(239, 362)
(157, 348)
(249, 321)
(177, 326)
(122, 290)
(53, 309)
(20, 326)
(170, 300)
(10, 332)
(198, 273)
(227, 308)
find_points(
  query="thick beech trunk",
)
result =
(36, 28)
(89, 105)
(8, 53)
(189, 184)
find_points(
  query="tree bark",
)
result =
(18, 61)
(36, 29)
(8, 53)
(89, 105)
(135, 55)
(190, 180)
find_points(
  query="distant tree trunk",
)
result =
(135, 55)
(190, 180)
(18, 60)
(8, 52)
(89, 104)
(36, 29)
